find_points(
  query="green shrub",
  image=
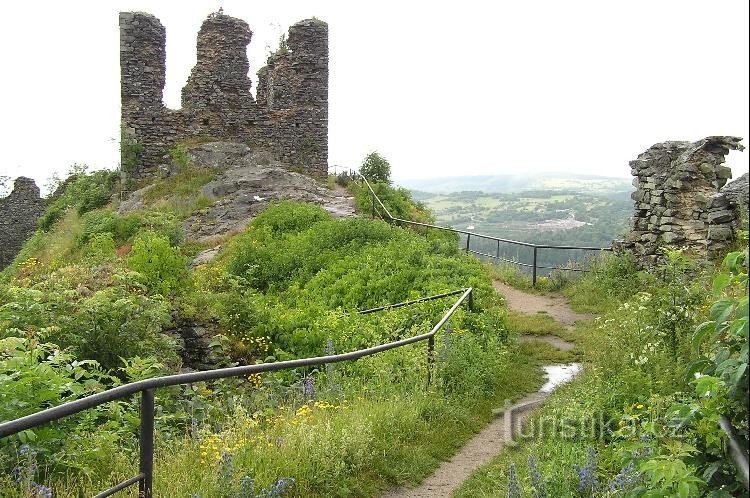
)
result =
(397, 200)
(287, 217)
(82, 191)
(163, 266)
(123, 228)
(376, 168)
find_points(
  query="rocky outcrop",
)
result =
(194, 344)
(678, 199)
(19, 212)
(248, 180)
(737, 194)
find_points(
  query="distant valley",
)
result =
(554, 209)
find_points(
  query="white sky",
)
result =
(439, 88)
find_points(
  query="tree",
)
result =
(376, 168)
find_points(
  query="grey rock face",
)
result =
(19, 212)
(679, 200)
(737, 195)
(248, 183)
(289, 118)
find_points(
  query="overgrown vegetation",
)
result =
(97, 312)
(376, 168)
(666, 359)
(97, 298)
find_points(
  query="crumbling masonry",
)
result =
(19, 213)
(679, 200)
(289, 117)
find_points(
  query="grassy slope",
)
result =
(366, 443)
(610, 390)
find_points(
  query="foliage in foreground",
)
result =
(100, 310)
(642, 420)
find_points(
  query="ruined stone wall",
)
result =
(19, 212)
(678, 202)
(289, 118)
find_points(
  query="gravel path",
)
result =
(499, 433)
(555, 306)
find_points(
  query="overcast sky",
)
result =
(439, 88)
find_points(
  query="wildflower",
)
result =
(278, 489)
(514, 487)
(536, 479)
(587, 480)
(638, 406)
(626, 479)
(247, 487)
(308, 387)
(40, 491)
(226, 468)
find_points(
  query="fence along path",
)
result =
(379, 210)
(146, 388)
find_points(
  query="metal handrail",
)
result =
(147, 386)
(534, 266)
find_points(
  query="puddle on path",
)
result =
(558, 375)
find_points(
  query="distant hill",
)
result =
(591, 184)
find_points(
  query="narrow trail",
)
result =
(499, 433)
(555, 306)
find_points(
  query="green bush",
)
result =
(376, 168)
(162, 265)
(123, 228)
(82, 191)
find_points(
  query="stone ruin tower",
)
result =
(289, 117)
(679, 202)
(19, 212)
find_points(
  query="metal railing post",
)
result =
(471, 301)
(468, 238)
(533, 271)
(146, 443)
(430, 358)
(497, 256)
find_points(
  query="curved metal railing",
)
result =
(146, 387)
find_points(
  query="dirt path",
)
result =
(499, 433)
(555, 306)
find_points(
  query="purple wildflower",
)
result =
(278, 489)
(40, 491)
(536, 479)
(626, 479)
(514, 487)
(247, 488)
(226, 468)
(587, 480)
(308, 387)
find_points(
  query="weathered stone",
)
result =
(720, 233)
(717, 200)
(719, 217)
(671, 237)
(677, 200)
(737, 195)
(247, 182)
(19, 212)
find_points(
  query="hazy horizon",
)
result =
(441, 90)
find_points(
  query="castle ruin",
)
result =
(19, 212)
(680, 201)
(288, 117)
